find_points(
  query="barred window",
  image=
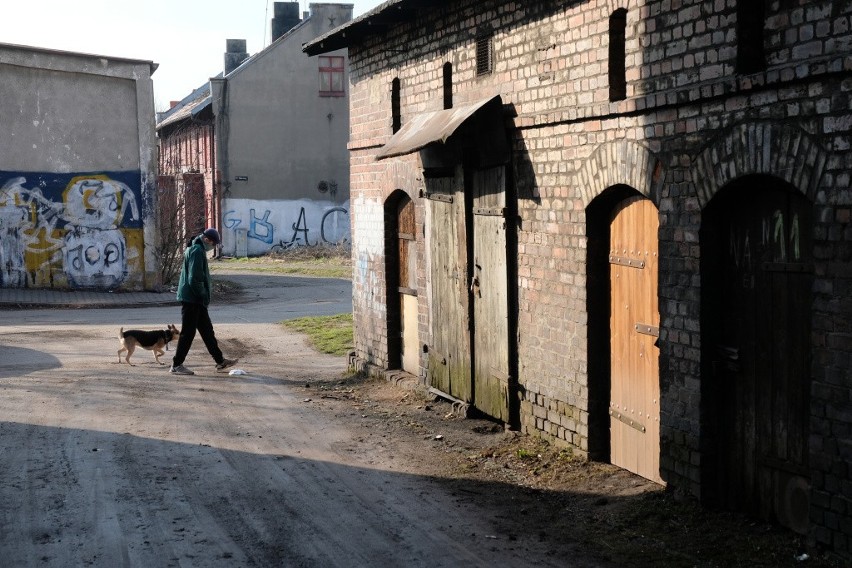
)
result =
(331, 72)
(484, 54)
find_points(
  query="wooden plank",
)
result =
(634, 356)
(410, 340)
(448, 359)
(489, 293)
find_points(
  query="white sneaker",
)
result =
(180, 370)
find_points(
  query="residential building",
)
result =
(264, 142)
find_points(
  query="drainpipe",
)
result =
(219, 105)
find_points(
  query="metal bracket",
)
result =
(624, 261)
(438, 197)
(492, 211)
(626, 420)
(646, 329)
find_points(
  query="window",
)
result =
(484, 53)
(396, 113)
(750, 55)
(448, 85)
(617, 56)
(331, 76)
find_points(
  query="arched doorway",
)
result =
(624, 322)
(756, 281)
(401, 270)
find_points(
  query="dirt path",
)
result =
(297, 464)
(104, 464)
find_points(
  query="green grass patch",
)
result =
(326, 334)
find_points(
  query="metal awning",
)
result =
(436, 127)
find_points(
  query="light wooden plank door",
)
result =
(489, 293)
(448, 358)
(634, 329)
(407, 278)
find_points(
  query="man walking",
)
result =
(193, 293)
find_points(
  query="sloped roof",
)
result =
(201, 98)
(374, 22)
(189, 107)
(433, 127)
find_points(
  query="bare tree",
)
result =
(181, 210)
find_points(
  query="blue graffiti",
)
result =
(231, 222)
(263, 224)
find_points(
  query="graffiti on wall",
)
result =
(263, 224)
(69, 230)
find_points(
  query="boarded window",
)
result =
(331, 72)
(617, 56)
(396, 112)
(750, 23)
(448, 85)
(484, 53)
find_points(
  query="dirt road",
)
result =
(104, 464)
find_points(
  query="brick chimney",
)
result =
(235, 53)
(286, 18)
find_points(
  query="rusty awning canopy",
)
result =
(437, 126)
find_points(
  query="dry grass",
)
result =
(322, 261)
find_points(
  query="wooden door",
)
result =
(634, 329)
(761, 369)
(448, 358)
(407, 278)
(489, 293)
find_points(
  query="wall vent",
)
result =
(484, 54)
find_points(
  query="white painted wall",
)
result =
(268, 222)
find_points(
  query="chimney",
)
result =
(286, 18)
(235, 53)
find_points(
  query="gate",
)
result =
(634, 406)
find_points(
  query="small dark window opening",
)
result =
(751, 17)
(448, 85)
(617, 56)
(484, 54)
(396, 113)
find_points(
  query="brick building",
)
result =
(624, 226)
(259, 150)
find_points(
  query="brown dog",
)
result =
(154, 341)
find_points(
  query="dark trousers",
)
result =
(194, 317)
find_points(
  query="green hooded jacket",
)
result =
(195, 283)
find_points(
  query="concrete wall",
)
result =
(279, 141)
(252, 226)
(690, 125)
(77, 165)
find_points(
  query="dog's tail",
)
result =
(121, 333)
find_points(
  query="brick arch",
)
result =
(614, 5)
(621, 162)
(774, 149)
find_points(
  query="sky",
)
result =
(186, 38)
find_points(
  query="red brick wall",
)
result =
(688, 126)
